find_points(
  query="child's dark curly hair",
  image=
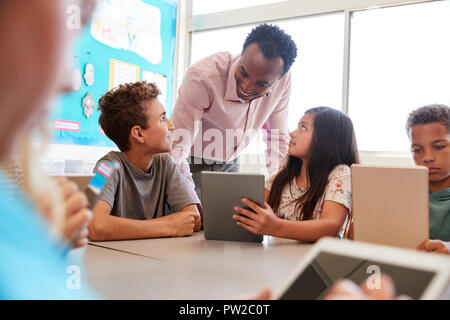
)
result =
(122, 108)
(439, 113)
(273, 42)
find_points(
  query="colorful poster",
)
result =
(130, 25)
(114, 64)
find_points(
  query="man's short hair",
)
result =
(273, 42)
(122, 108)
(439, 113)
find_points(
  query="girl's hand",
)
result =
(261, 221)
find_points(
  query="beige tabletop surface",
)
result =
(188, 267)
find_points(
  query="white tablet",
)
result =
(390, 205)
(419, 275)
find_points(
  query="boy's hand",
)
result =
(261, 221)
(198, 223)
(78, 216)
(198, 219)
(436, 246)
(200, 212)
(182, 223)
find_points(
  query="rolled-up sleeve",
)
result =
(192, 99)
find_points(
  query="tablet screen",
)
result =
(319, 276)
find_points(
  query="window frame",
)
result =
(287, 10)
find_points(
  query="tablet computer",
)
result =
(221, 192)
(390, 204)
(417, 274)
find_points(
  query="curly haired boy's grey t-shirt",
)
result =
(134, 194)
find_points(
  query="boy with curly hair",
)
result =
(429, 131)
(133, 202)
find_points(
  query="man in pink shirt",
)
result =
(224, 100)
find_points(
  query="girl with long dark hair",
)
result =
(310, 196)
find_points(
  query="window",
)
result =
(206, 43)
(210, 6)
(399, 62)
(316, 73)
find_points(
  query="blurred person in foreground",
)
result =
(43, 218)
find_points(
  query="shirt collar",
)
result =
(443, 195)
(137, 172)
(230, 93)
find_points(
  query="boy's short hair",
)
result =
(439, 113)
(122, 108)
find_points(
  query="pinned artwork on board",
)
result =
(122, 72)
(88, 105)
(76, 76)
(76, 79)
(89, 72)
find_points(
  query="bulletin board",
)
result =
(126, 41)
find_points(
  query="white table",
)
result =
(188, 267)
